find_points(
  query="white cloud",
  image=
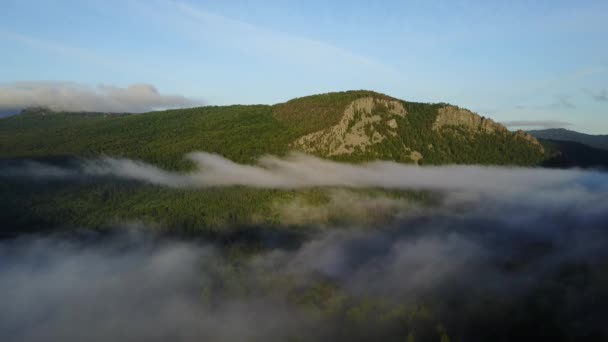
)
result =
(68, 96)
(301, 171)
(466, 249)
(536, 123)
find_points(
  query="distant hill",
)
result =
(597, 141)
(8, 112)
(349, 126)
(561, 153)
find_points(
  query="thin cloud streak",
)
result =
(301, 171)
(563, 101)
(600, 96)
(298, 170)
(567, 78)
(537, 123)
(200, 25)
(60, 49)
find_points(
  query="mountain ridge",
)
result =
(373, 125)
(564, 154)
(352, 126)
(597, 141)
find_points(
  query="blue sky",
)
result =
(541, 62)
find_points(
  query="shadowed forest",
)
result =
(107, 249)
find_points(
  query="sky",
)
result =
(528, 64)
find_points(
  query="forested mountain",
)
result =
(348, 126)
(354, 126)
(370, 251)
(597, 141)
(7, 112)
(562, 153)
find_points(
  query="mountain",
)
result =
(562, 153)
(597, 141)
(8, 112)
(353, 126)
(349, 126)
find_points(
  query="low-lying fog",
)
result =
(517, 253)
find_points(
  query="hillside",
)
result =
(353, 126)
(561, 153)
(597, 141)
(349, 126)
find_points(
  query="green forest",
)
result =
(358, 230)
(244, 133)
(239, 133)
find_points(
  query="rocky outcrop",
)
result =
(454, 116)
(529, 138)
(450, 116)
(357, 130)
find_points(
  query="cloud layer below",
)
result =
(67, 96)
(487, 259)
(298, 170)
(480, 263)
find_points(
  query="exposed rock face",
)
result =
(415, 156)
(454, 116)
(356, 130)
(370, 120)
(529, 138)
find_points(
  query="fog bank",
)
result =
(481, 265)
(507, 253)
(300, 171)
